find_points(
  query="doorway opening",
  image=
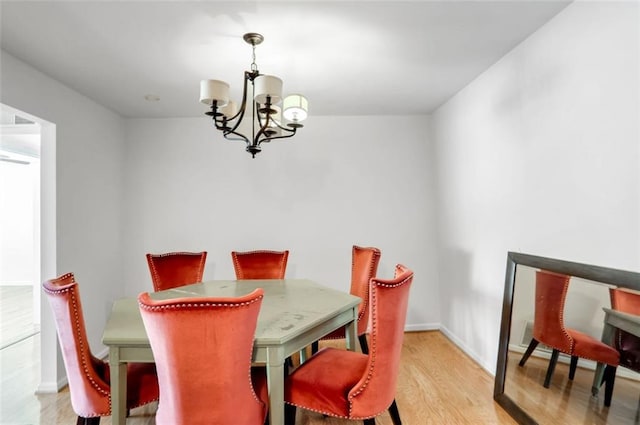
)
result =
(28, 349)
(20, 140)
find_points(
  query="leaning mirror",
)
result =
(586, 308)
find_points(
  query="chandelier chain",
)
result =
(254, 67)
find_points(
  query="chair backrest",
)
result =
(87, 376)
(364, 266)
(626, 343)
(548, 323)
(174, 269)
(203, 348)
(388, 303)
(260, 264)
(625, 300)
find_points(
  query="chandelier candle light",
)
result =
(259, 118)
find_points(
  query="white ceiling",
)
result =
(347, 57)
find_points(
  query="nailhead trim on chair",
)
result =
(154, 271)
(564, 296)
(572, 341)
(236, 264)
(331, 413)
(197, 305)
(211, 304)
(365, 301)
(371, 353)
(374, 341)
(71, 290)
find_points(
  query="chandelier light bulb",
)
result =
(295, 107)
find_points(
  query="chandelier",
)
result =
(263, 115)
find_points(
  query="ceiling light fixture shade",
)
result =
(214, 91)
(268, 86)
(258, 118)
(296, 108)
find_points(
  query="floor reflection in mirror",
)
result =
(569, 402)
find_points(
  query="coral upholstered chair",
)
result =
(175, 269)
(549, 329)
(203, 348)
(353, 385)
(628, 345)
(88, 376)
(364, 266)
(260, 264)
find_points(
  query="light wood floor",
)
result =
(438, 384)
(16, 314)
(569, 402)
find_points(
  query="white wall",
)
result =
(540, 154)
(340, 181)
(88, 204)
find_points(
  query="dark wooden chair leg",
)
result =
(395, 414)
(314, 347)
(572, 367)
(532, 346)
(289, 414)
(551, 368)
(609, 380)
(370, 421)
(363, 343)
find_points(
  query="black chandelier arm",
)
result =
(289, 127)
(238, 137)
(268, 139)
(239, 116)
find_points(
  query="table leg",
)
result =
(275, 382)
(607, 338)
(118, 387)
(350, 331)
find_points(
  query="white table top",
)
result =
(290, 307)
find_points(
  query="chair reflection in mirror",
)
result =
(627, 344)
(549, 329)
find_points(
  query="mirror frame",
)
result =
(620, 278)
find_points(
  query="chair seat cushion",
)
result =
(315, 384)
(587, 347)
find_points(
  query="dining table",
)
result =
(294, 314)
(614, 319)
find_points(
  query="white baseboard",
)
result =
(52, 387)
(489, 368)
(422, 327)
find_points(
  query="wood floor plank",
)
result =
(438, 384)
